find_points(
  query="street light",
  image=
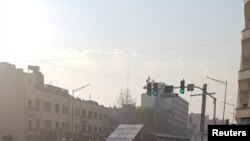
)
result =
(225, 97)
(73, 91)
(73, 94)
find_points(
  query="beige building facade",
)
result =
(32, 110)
(243, 103)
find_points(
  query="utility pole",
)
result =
(203, 108)
(224, 102)
(214, 111)
(225, 96)
(233, 105)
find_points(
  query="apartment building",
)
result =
(173, 114)
(170, 111)
(32, 110)
(12, 102)
(242, 115)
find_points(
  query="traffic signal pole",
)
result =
(190, 87)
(203, 108)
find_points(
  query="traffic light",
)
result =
(182, 86)
(149, 88)
(169, 89)
(155, 89)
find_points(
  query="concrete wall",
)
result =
(11, 102)
(147, 101)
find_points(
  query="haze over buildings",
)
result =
(96, 42)
(31, 110)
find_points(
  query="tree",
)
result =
(125, 98)
(144, 116)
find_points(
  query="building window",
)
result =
(57, 108)
(83, 128)
(37, 105)
(63, 126)
(66, 110)
(90, 128)
(100, 116)
(47, 106)
(79, 112)
(37, 124)
(83, 113)
(57, 125)
(246, 121)
(67, 127)
(29, 104)
(95, 115)
(63, 109)
(47, 125)
(29, 125)
(76, 128)
(245, 105)
(90, 114)
(100, 129)
(95, 129)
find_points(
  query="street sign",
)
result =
(190, 87)
(169, 89)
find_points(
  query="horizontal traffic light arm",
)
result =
(201, 94)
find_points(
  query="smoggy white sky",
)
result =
(76, 42)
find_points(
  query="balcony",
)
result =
(245, 34)
(33, 129)
(244, 75)
(32, 112)
(243, 112)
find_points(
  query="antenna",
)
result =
(127, 78)
(127, 91)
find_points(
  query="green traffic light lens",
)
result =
(182, 91)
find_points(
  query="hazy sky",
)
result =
(98, 41)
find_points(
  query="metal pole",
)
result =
(72, 128)
(203, 110)
(233, 117)
(225, 83)
(214, 111)
(233, 113)
(223, 118)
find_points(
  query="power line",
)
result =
(180, 61)
(195, 49)
(198, 108)
(122, 77)
(46, 61)
(93, 74)
(129, 53)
